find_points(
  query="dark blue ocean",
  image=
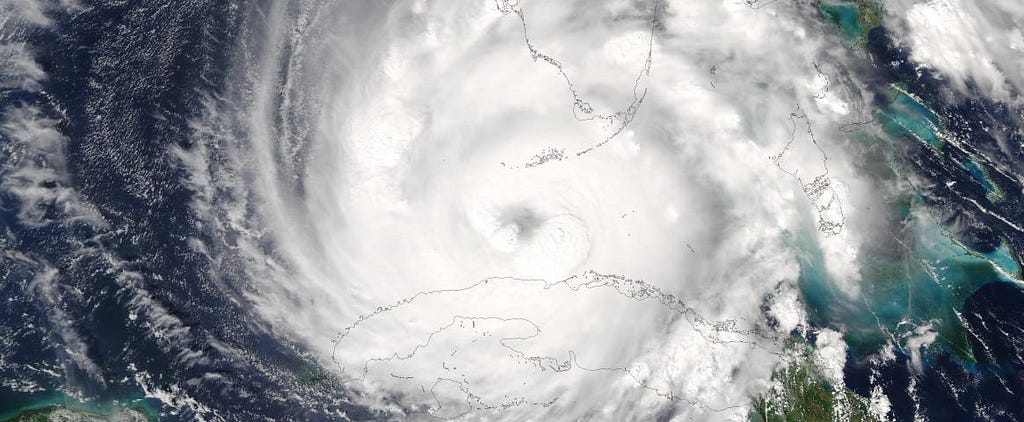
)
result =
(119, 281)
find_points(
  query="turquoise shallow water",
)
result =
(925, 278)
(845, 16)
(1002, 257)
(50, 400)
(905, 116)
(924, 285)
(980, 172)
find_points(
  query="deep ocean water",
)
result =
(511, 210)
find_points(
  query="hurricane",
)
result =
(511, 210)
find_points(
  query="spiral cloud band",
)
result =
(242, 210)
(477, 209)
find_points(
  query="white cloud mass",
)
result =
(484, 210)
(968, 42)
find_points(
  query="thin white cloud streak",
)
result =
(34, 166)
(36, 174)
(35, 170)
(391, 172)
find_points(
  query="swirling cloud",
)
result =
(470, 207)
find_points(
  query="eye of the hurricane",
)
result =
(478, 236)
(535, 245)
(519, 223)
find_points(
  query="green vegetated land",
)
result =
(853, 18)
(802, 393)
(65, 413)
